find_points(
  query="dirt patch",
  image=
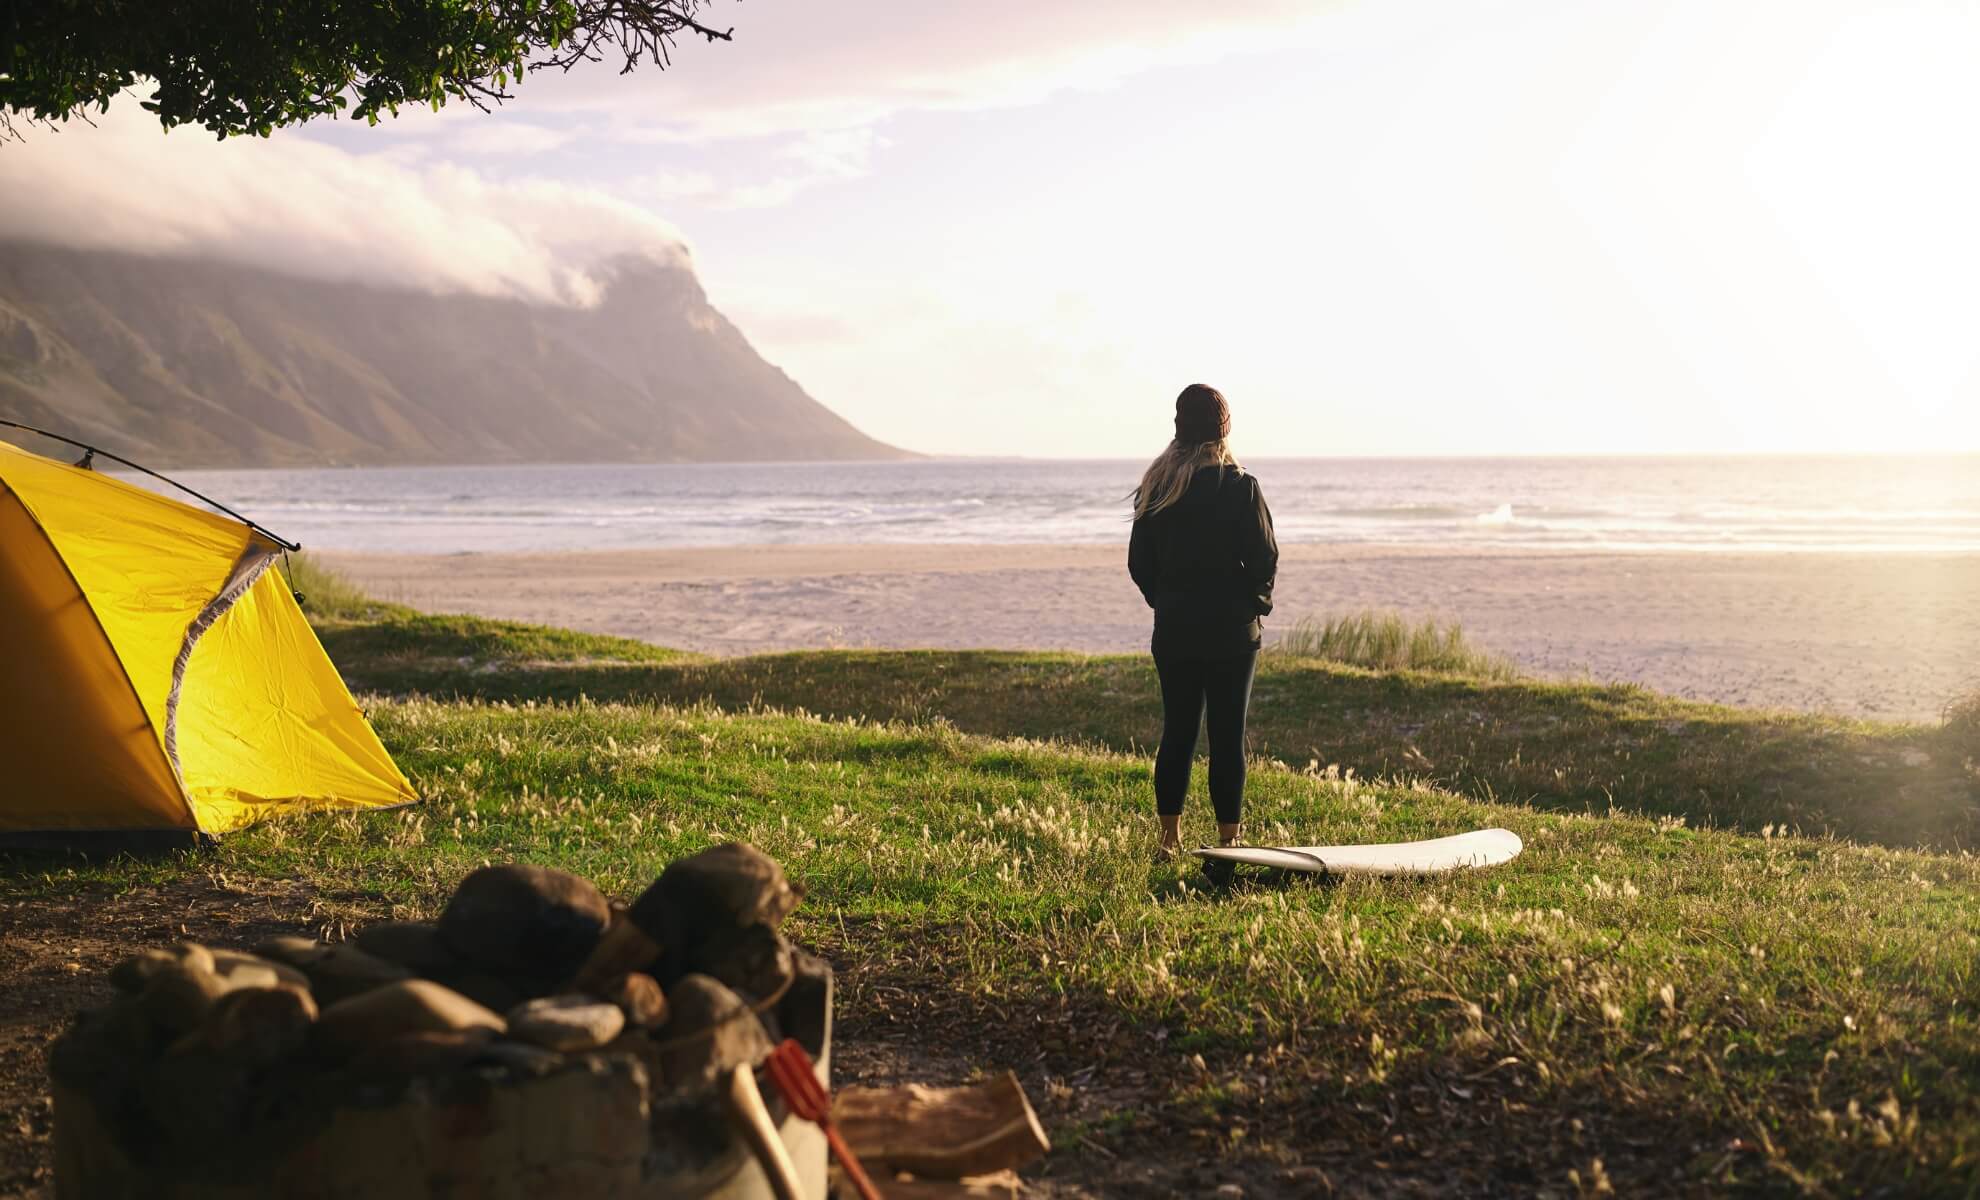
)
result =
(1131, 1113)
(1134, 1113)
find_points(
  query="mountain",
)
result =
(192, 362)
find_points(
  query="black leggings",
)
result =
(1216, 691)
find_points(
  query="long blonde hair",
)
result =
(1167, 478)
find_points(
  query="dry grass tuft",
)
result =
(326, 592)
(1961, 727)
(1386, 641)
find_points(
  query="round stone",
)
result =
(408, 1006)
(566, 1023)
(639, 997)
(415, 945)
(251, 970)
(336, 971)
(179, 996)
(259, 1026)
(421, 1053)
(710, 1031)
(530, 920)
(754, 961)
(135, 972)
(491, 991)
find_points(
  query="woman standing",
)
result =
(1204, 557)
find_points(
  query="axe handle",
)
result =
(752, 1120)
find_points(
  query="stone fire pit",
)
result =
(537, 1041)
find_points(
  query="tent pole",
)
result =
(284, 543)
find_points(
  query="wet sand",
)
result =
(1890, 636)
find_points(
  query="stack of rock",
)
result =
(245, 1071)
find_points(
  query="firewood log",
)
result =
(942, 1133)
(1004, 1185)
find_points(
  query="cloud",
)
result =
(297, 205)
(491, 138)
(798, 66)
(800, 164)
(797, 100)
(701, 188)
(835, 153)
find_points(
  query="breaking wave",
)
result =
(1808, 505)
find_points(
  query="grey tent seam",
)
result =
(248, 568)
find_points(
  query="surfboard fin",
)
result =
(1219, 872)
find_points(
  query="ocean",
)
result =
(1809, 505)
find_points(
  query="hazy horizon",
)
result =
(1419, 228)
(1693, 505)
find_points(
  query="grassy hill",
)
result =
(1646, 1000)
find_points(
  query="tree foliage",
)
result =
(251, 66)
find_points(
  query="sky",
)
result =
(1395, 227)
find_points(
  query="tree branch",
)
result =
(237, 68)
(642, 30)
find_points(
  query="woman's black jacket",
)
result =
(1206, 565)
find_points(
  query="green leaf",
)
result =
(236, 68)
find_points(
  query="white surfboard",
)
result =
(1479, 848)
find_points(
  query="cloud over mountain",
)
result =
(301, 207)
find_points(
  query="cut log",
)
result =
(942, 1133)
(1004, 1185)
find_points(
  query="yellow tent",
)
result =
(155, 673)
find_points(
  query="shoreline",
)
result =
(1886, 635)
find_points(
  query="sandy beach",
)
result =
(1864, 635)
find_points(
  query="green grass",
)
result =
(1386, 641)
(326, 593)
(1808, 996)
(980, 821)
(1564, 746)
(403, 643)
